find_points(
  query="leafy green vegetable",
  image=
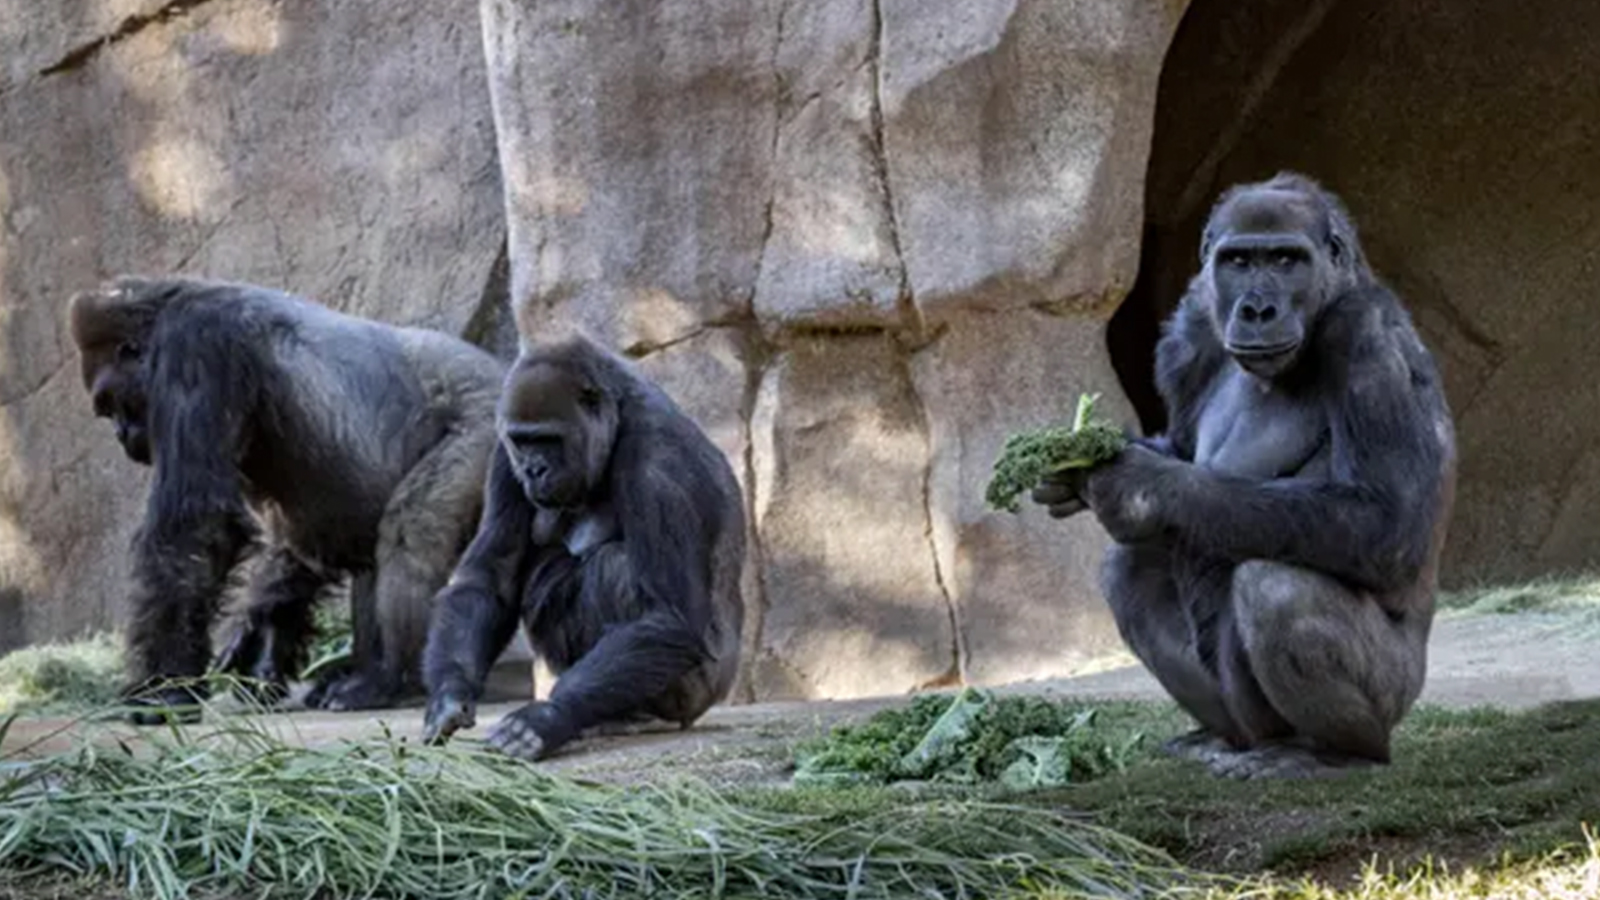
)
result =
(973, 737)
(1030, 455)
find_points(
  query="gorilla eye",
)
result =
(589, 398)
(1284, 259)
(127, 351)
(1236, 259)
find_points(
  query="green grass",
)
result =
(1570, 873)
(1507, 793)
(49, 678)
(1469, 784)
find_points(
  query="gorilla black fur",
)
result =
(361, 447)
(615, 531)
(1277, 548)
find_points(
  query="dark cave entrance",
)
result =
(1464, 136)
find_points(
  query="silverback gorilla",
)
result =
(362, 447)
(615, 531)
(1276, 550)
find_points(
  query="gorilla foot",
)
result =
(262, 692)
(353, 691)
(515, 735)
(172, 704)
(253, 673)
(446, 715)
(1199, 744)
(1285, 761)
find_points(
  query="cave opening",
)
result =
(1462, 135)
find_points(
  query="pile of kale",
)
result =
(974, 737)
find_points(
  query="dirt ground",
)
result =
(1512, 661)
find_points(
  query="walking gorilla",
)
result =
(614, 529)
(1277, 548)
(361, 446)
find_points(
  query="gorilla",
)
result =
(359, 448)
(1276, 550)
(615, 531)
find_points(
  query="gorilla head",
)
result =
(558, 425)
(1275, 254)
(111, 331)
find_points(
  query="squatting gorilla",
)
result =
(1277, 548)
(362, 447)
(614, 530)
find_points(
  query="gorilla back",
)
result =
(1277, 549)
(614, 530)
(361, 447)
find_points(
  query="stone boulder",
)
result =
(893, 234)
(344, 151)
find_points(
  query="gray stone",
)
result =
(830, 259)
(854, 606)
(637, 147)
(1026, 588)
(1016, 135)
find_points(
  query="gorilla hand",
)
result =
(448, 712)
(1129, 493)
(517, 734)
(1061, 493)
(249, 656)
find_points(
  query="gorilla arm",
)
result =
(658, 572)
(477, 613)
(1372, 524)
(196, 523)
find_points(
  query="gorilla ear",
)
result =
(1342, 243)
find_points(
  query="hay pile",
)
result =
(239, 813)
(72, 676)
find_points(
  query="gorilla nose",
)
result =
(1256, 309)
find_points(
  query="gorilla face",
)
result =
(115, 380)
(558, 429)
(112, 334)
(1270, 273)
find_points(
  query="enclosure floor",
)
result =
(1512, 661)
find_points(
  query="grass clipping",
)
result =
(974, 737)
(241, 813)
(51, 677)
(1030, 455)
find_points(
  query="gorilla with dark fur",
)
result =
(362, 447)
(615, 531)
(1277, 548)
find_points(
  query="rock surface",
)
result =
(911, 222)
(859, 243)
(344, 151)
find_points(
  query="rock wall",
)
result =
(862, 242)
(859, 242)
(1461, 135)
(343, 150)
